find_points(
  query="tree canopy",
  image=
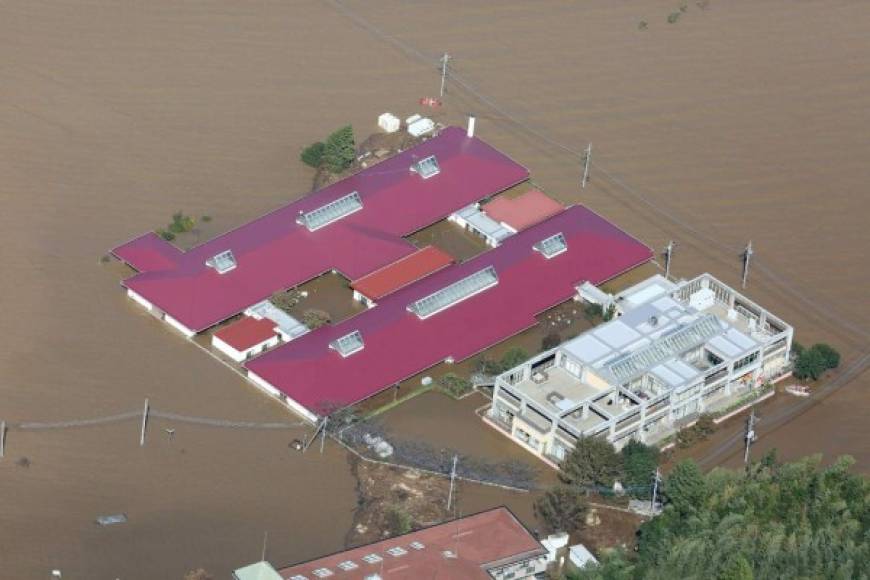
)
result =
(592, 462)
(340, 150)
(793, 520)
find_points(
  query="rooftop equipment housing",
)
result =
(427, 167)
(223, 262)
(332, 211)
(348, 344)
(552, 246)
(454, 293)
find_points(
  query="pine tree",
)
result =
(340, 151)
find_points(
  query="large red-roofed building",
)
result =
(491, 544)
(348, 362)
(274, 252)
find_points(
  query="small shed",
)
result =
(245, 338)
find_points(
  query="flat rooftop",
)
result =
(462, 548)
(274, 252)
(398, 344)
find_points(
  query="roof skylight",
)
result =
(454, 293)
(348, 565)
(372, 559)
(348, 344)
(223, 262)
(427, 167)
(397, 551)
(552, 246)
(332, 211)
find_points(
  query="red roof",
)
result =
(274, 253)
(247, 333)
(402, 272)
(523, 211)
(398, 345)
(477, 542)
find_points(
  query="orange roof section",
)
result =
(462, 548)
(523, 211)
(402, 272)
(247, 332)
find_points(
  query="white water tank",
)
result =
(389, 122)
(420, 127)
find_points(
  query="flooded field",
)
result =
(114, 117)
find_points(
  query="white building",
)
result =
(675, 351)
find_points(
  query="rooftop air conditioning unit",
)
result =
(389, 123)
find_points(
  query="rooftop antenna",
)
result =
(669, 252)
(587, 160)
(747, 255)
(444, 60)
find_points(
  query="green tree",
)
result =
(592, 462)
(561, 509)
(685, 487)
(828, 354)
(181, 223)
(313, 154)
(314, 318)
(609, 313)
(810, 364)
(454, 385)
(513, 357)
(639, 463)
(737, 568)
(340, 150)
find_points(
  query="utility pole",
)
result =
(144, 424)
(444, 60)
(750, 435)
(323, 433)
(265, 542)
(669, 252)
(656, 479)
(452, 480)
(587, 160)
(747, 255)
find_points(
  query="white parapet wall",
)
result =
(240, 355)
(138, 298)
(271, 390)
(178, 326)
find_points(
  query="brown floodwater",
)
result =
(746, 120)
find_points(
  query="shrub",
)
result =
(198, 574)
(592, 311)
(561, 509)
(454, 385)
(313, 154)
(609, 313)
(673, 17)
(398, 521)
(340, 150)
(205, 218)
(286, 300)
(166, 235)
(797, 348)
(642, 25)
(181, 223)
(813, 362)
(513, 357)
(552, 340)
(314, 318)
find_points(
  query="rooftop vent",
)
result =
(322, 572)
(427, 167)
(348, 344)
(397, 551)
(372, 559)
(449, 554)
(417, 545)
(223, 262)
(332, 211)
(348, 565)
(552, 246)
(454, 293)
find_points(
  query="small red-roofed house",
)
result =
(248, 337)
(526, 210)
(371, 288)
